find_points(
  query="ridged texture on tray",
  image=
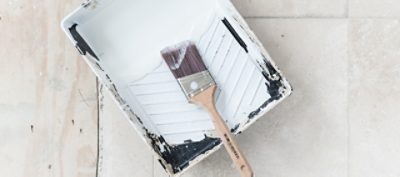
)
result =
(242, 89)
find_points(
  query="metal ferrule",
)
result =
(196, 83)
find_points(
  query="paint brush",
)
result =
(199, 87)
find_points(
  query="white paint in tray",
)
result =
(129, 60)
(169, 110)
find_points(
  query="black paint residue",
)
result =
(162, 164)
(180, 156)
(235, 34)
(256, 112)
(234, 129)
(274, 86)
(174, 157)
(99, 67)
(81, 44)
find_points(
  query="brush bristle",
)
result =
(183, 59)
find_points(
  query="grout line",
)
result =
(347, 102)
(347, 8)
(294, 17)
(376, 18)
(322, 18)
(98, 128)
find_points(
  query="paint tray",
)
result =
(121, 42)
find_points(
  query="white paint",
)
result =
(130, 52)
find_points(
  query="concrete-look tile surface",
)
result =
(307, 134)
(48, 107)
(122, 151)
(292, 8)
(374, 8)
(374, 99)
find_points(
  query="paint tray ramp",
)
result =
(121, 41)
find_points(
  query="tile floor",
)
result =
(343, 59)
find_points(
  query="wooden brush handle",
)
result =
(206, 99)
